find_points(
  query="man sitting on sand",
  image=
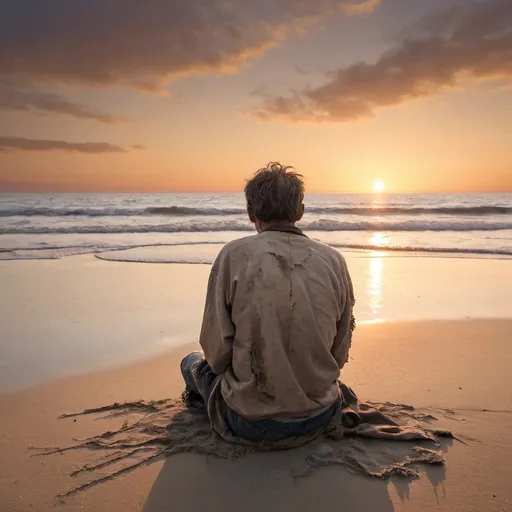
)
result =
(277, 324)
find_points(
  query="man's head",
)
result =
(275, 195)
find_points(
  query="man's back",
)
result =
(277, 324)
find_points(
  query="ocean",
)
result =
(190, 228)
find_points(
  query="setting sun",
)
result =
(378, 186)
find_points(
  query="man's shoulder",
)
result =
(325, 249)
(237, 245)
(240, 242)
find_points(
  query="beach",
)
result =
(362, 151)
(83, 332)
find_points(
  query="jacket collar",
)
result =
(284, 228)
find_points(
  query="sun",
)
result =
(378, 186)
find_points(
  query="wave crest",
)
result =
(317, 225)
(183, 211)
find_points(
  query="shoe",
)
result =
(192, 400)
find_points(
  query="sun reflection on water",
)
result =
(374, 280)
(377, 240)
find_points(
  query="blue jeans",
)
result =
(199, 378)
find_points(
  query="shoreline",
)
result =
(437, 366)
(360, 251)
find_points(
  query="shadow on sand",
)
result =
(435, 474)
(266, 482)
(261, 482)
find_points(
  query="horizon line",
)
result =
(369, 193)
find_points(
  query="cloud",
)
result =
(354, 8)
(146, 44)
(472, 41)
(21, 99)
(20, 143)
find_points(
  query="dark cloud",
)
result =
(20, 143)
(145, 44)
(473, 40)
(22, 99)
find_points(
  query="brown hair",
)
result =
(275, 193)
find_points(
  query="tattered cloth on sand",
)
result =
(163, 428)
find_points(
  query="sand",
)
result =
(67, 319)
(458, 365)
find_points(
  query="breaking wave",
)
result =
(184, 211)
(317, 225)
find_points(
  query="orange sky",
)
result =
(191, 97)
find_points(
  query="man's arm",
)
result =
(218, 331)
(346, 325)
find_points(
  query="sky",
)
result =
(182, 96)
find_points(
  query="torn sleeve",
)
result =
(218, 330)
(346, 325)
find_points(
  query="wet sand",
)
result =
(66, 317)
